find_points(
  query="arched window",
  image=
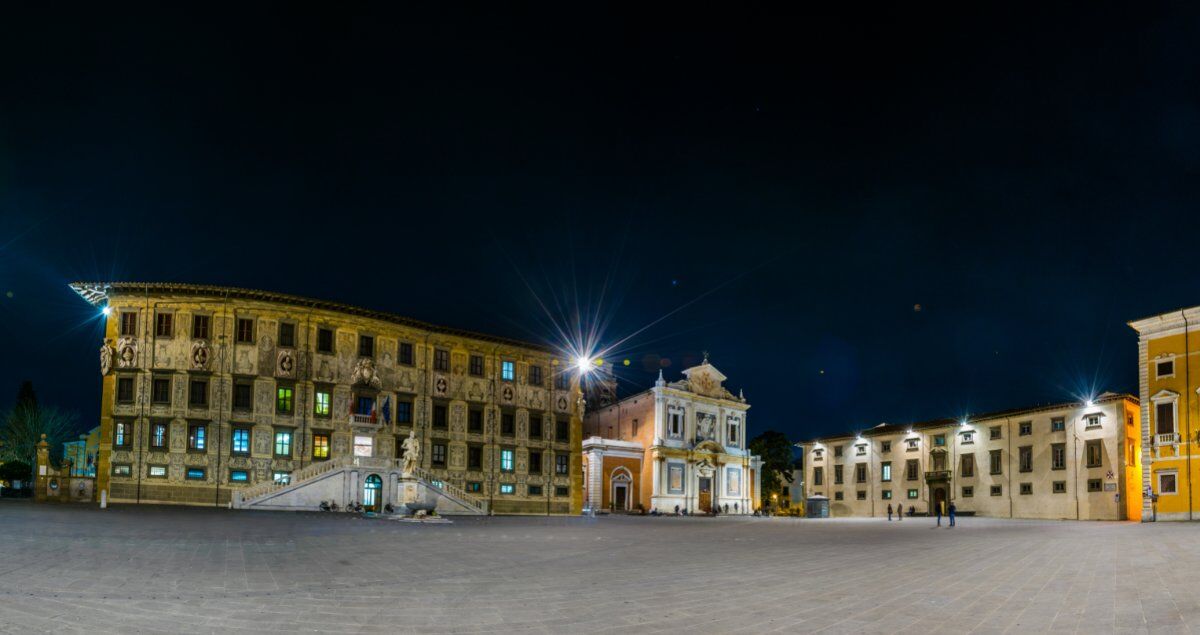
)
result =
(372, 489)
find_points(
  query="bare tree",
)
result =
(23, 426)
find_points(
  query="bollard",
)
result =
(103, 499)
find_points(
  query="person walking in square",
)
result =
(889, 512)
(938, 508)
(952, 510)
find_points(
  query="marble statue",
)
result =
(412, 452)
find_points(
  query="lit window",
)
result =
(1058, 424)
(363, 445)
(122, 470)
(283, 400)
(507, 488)
(158, 471)
(282, 478)
(283, 443)
(506, 460)
(506, 371)
(241, 441)
(913, 494)
(1091, 421)
(195, 473)
(239, 476)
(885, 472)
(320, 446)
(887, 494)
(158, 435)
(121, 434)
(321, 405)
(196, 437)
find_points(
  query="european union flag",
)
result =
(387, 409)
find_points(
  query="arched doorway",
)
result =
(372, 488)
(621, 494)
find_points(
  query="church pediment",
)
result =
(706, 380)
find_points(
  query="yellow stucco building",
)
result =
(211, 391)
(1170, 423)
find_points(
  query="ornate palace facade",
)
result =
(678, 446)
(1069, 460)
(207, 390)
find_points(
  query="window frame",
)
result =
(317, 445)
(125, 380)
(193, 400)
(1098, 446)
(508, 370)
(165, 443)
(233, 440)
(197, 439)
(441, 360)
(437, 454)
(289, 328)
(285, 405)
(289, 443)
(243, 335)
(201, 326)
(508, 460)
(122, 434)
(562, 464)
(164, 325)
(322, 333)
(475, 365)
(366, 346)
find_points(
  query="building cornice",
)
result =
(945, 424)
(98, 293)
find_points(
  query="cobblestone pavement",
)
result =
(156, 569)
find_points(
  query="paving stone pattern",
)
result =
(186, 570)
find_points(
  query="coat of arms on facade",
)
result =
(364, 373)
(441, 385)
(507, 394)
(285, 363)
(201, 353)
(106, 358)
(126, 352)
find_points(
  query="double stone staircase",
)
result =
(343, 481)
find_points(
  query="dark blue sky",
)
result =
(802, 180)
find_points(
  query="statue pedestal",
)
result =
(415, 495)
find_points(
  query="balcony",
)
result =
(364, 420)
(1170, 438)
(937, 475)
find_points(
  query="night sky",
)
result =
(784, 189)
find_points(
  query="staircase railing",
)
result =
(451, 489)
(305, 473)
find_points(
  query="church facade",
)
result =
(679, 446)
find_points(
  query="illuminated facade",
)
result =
(207, 390)
(1062, 461)
(1170, 427)
(83, 452)
(677, 446)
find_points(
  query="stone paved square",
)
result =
(188, 570)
